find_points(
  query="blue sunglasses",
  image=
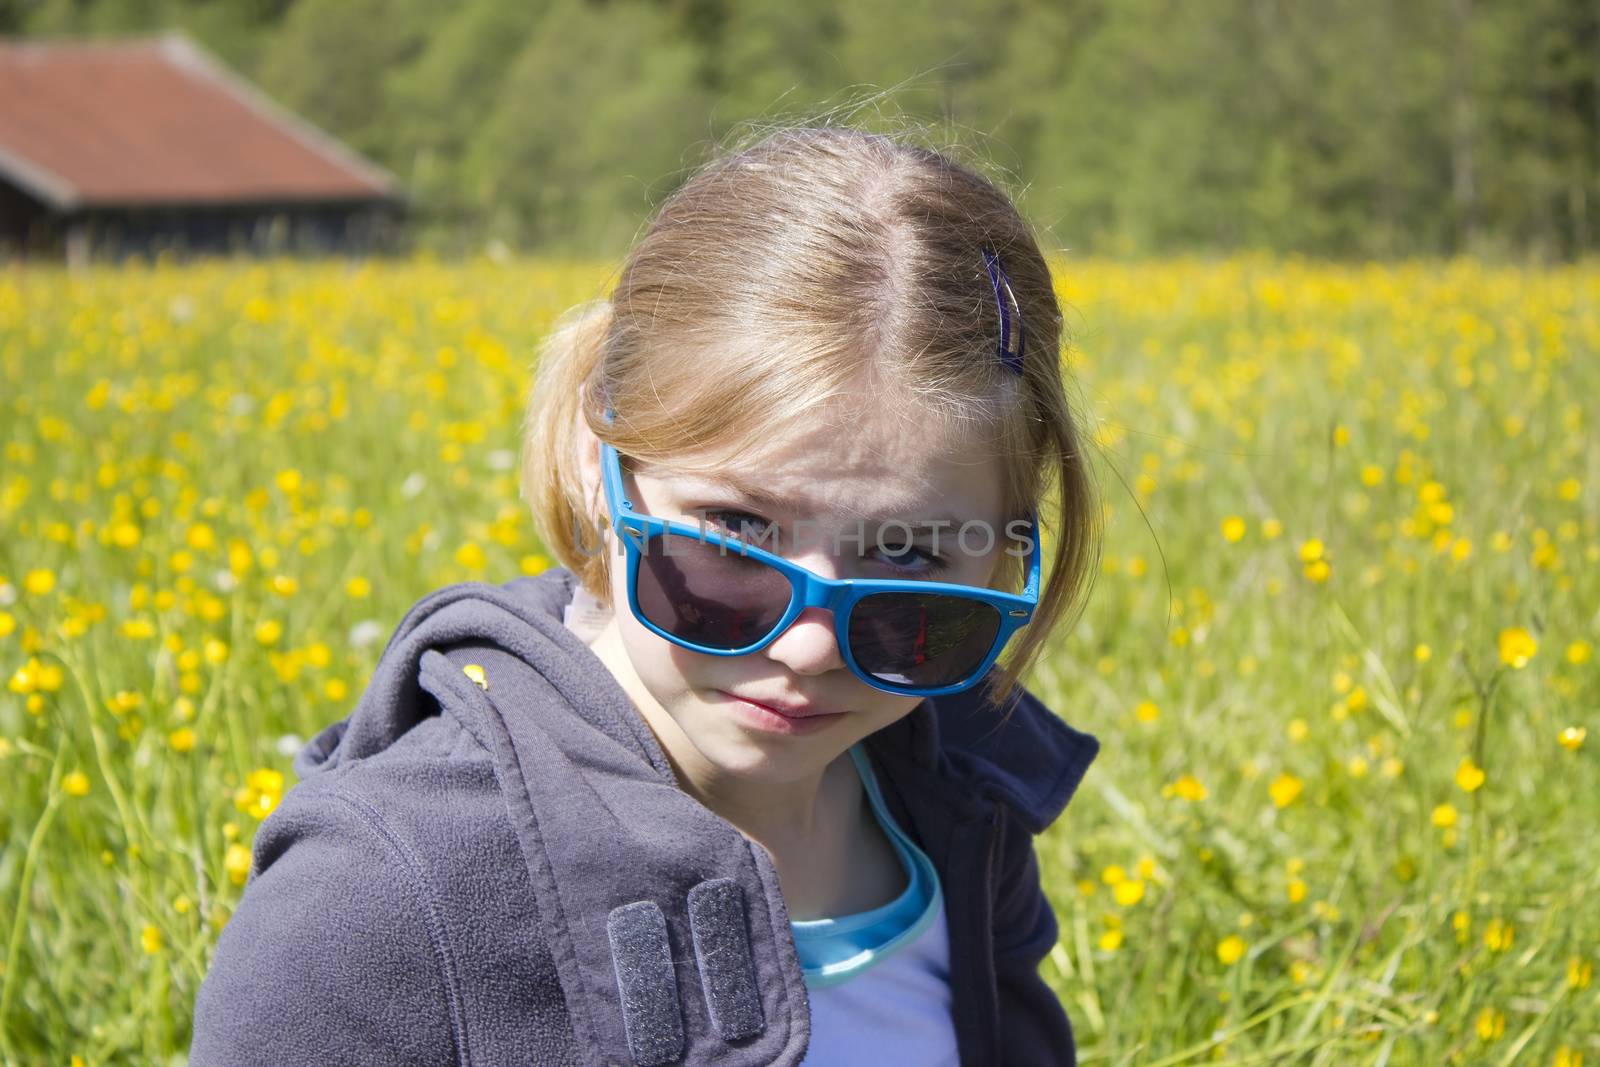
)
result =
(725, 597)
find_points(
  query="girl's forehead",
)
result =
(910, 472)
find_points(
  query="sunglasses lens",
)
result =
(921, 641)
(707, 595)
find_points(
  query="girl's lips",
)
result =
(789, 711)
(770, 720)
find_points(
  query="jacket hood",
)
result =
(522, 617)
(630, 873)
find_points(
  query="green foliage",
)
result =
(1349, 128)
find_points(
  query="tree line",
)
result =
(1341, 128)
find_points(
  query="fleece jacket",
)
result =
(490, 861)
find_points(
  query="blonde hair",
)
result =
(813, 264)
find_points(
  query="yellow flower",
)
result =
(1297, 890)
(262, 790)
(1497, 935)
(39, 582)
(124, 534)
(48, 677)
(1230, 949)
(1145, 711)
(1517, 647)
(1572, 738)
(1232, 528)
(237, 863)
(1271, 529)
(1188, 787)
(1578, 652)
(1284, 789)
(1310, 551)
(75, 784)
(1113, 874)
(1579, 971)
(1567, 1057)
(268, 631)
(1318, 570)
(357, 588)
(181, 739)
(150, 939)
(138, 629)
(1469, 776)
(471, 556)
(24, 679)
(1128, 892)
(1298, 730)
(201, 537)
(1444, 815)
(1568, 489)
(1111, 940)
(1491, 1024)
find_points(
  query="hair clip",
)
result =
(1011, 340)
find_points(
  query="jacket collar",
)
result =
(1023, 755)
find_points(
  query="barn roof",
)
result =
(157, 121)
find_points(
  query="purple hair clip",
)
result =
(1011, 334)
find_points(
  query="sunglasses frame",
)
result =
(808, 589)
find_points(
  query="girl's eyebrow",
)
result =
(772, 502)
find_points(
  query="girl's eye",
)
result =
(912, 558)
(741, 524)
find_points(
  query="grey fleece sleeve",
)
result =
(1034, 1030)
(334, 955)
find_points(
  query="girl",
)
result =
(744, 781)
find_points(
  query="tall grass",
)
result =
(1340, 658)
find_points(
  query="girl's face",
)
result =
(828, 494)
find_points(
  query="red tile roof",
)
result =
(158, 121)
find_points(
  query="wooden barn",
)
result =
(119, 147)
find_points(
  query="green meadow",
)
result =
(1340, 655)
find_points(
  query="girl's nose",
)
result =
(808, 646)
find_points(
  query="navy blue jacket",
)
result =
(509, 873)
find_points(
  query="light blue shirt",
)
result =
(878, 981)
